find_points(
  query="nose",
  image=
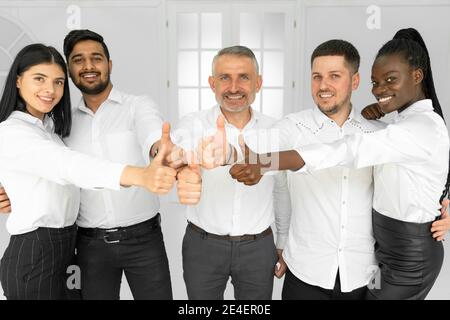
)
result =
(378, 90)
(234, 85)
(323, 85)
(49, 87)
(87, 65)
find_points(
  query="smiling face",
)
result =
(235, 82)
(89, 68)
(332, 83)
(395, 84)
(41, 88)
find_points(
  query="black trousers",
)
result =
(34, 264)
(296, 289)
(138, 251)
(409, 258)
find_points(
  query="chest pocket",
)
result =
(123, 147)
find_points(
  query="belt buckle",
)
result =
(105, 237)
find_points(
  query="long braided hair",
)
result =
(409, 43)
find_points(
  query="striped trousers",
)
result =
(34, 264)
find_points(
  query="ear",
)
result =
(212, 83)
(110, 66)
(68, 70)
(259, 82)
(418, 76)
(18, 82)
(355, 81)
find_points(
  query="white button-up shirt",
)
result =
(39, 174)
(122, 130)
(411, 159)
(228, 207)
(331, 223)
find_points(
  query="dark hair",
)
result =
(410, 45)
(28, 57)
(237, 51)
(338, 47)
(75, 36)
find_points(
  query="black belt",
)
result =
(244, 237)
(115, 235)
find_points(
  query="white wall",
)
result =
(136, 35)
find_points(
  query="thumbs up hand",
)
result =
(247, 171)
(175, 157)
(213, 151)
(189, 185)
(158, 177)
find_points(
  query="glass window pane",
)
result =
(207, 58)
(273, 103)
(187, 30)
(208, 98)
(187, 101)
(274, 30)
(250, 30)
(211, 30)
(273, 69)
(188, 68)
(256, 105)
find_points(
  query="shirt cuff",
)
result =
(112, 176)
(281, 241)
(151, 139)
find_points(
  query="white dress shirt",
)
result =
(39, 174)
(122, 130)
(411, 159)
(228, 207)
(331, 223)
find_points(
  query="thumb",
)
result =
(163, 149)
(165, 134)
(220, 123)
(244, 147)
(220, 134)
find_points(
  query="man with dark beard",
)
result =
(119, 231)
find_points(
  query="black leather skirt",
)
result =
(409, 258)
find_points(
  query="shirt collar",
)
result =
(417, 107)
(320, 118)
(46, 124)
(254, 117)
(114, 96)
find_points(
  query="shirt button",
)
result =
(343, 202)
(342, 227)
(340, 249)
(345, 177)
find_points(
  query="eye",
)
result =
(77, 60)
(223, 78)
(59, 82)
(245, 77)
(317, 77)
(335, 76)
(39, 79)
(374, 83)
(97, 59)
(390, 79)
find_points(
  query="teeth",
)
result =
(235, 97)
(325, 95)
(46, 99)
(385, 99)
(89, 75)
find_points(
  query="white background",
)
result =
(142, 39)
